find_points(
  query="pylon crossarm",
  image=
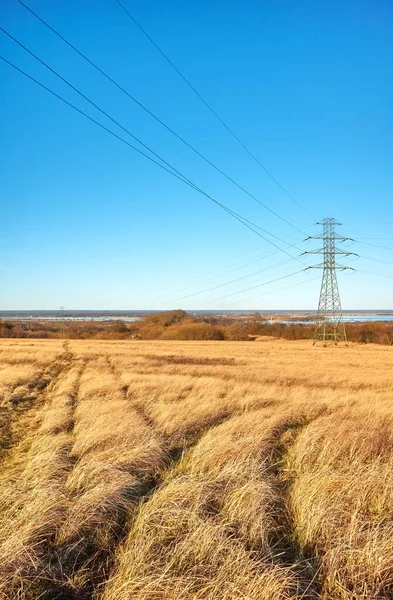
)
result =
(321, 237)
(344, 268)
(329, 252)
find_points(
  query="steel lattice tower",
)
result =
(329, 325)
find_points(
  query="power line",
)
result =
(376, 274)
(222, 273)
(216, 276)
(89, 100)
(270, 292)
(226, 272)
(374, 245)
(287, 287)
(239, 186)
(246, 222)
(385, 262)
(262, 284)
(90, 118)
(237, 279)
(249, 224)
(213, 111)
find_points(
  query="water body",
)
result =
(67, 318)
(346, 318)
(131, 316)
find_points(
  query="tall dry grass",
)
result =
(197, 471)
(116, 456)
(25, 371)
(33, 502)
(341, 497)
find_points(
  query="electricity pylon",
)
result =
(329, 325)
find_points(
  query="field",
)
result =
(152, 470)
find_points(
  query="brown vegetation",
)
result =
(370, 332)
(178, 325)
(152, 470)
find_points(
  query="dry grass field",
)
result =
(152, 470)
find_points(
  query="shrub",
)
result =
(194, 331)
(236, 332)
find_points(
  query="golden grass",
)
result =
(195, 471)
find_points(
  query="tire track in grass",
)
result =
(175, 450)
(49, 588)
(36, 486)
(50, 584)
(285, 540)
(174, 455)
(56, 586)
(101, 561)
(191, 499)
(284, 550)
(19, 401)
(17, 415)
(80, 562)
(192, 434)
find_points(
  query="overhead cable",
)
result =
(385, 262)
(141, 105)
(376, 274)
(237, 279)
(247, 223)
(221, 274)
(226, 272)
(262, 284)
(270, 292)
(213, 111)
(374, 245)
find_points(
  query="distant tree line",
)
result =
(179, 325)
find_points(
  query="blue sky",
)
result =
(88, 223)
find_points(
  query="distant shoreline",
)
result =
(136, 313)
(300, 317)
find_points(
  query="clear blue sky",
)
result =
(87, 223)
